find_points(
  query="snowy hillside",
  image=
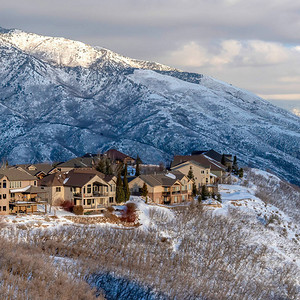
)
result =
(243, 248)
(60, 98)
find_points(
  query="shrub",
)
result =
(78, 210)
(129, 214)
(67, 205)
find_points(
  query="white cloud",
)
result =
(266, 68)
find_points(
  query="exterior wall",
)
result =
(94, 200)
(201, 174)
(6, 196)
(178, 193)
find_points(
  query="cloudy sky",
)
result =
(252, 44)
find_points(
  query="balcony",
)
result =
(77, 195)
(100, 194)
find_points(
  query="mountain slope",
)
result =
(61, 98)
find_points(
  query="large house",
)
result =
(118, 157)
(19, 191)
(206, 171)
(167, 188)
(85, 186)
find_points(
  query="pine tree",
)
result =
(144, 191)
(138, 160)
(190, 174)
(194, 190)
(101, 166)
(204, 192)
(241, 172)
(108, 169)
(137, 167)
(235, 167)
(125, 184)
(120, 196)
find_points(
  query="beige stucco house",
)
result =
(87, 187)
(169, 188)
(18, 191)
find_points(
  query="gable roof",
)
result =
(79, 179)
(79, 162)
(42, 167)
(162, 179)
(114, 154)
(199, 159)
(216, 156)
(14, 174)
(55, 179)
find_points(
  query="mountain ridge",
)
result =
(54, 108)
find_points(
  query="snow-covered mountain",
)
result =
(60, 98)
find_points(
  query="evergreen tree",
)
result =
(120, 196)
(137, 167)
(235, 167)
(101, 166)
(108, 169)
(144, 191)
(204, 192)
(125, 184)
(241, 172)
(194, 190)
(138, 160)
(190, 174)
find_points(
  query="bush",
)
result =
(129, 214)
(78, 210)
(67, 205)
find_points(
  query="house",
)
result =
(84, 186)
(201, 167)
(18, 189)
(78, 162)
(118, 157)
(37, 170)
(167, 188)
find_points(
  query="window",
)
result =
(88, 201)
(177, 188)
(14, 184)
(12, 195)
(4, 184)
(206, 180)
(0, 184)
(0, 196)
(58, 189)
(190, 186)
(183, 197)
(4, 196)
(175, 199)
(202, 171)
(111, 199)
(206, 171)
(4, 208)
(34, 183)
(89, 189)
(0, 208)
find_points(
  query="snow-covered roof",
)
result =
(20, 190)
